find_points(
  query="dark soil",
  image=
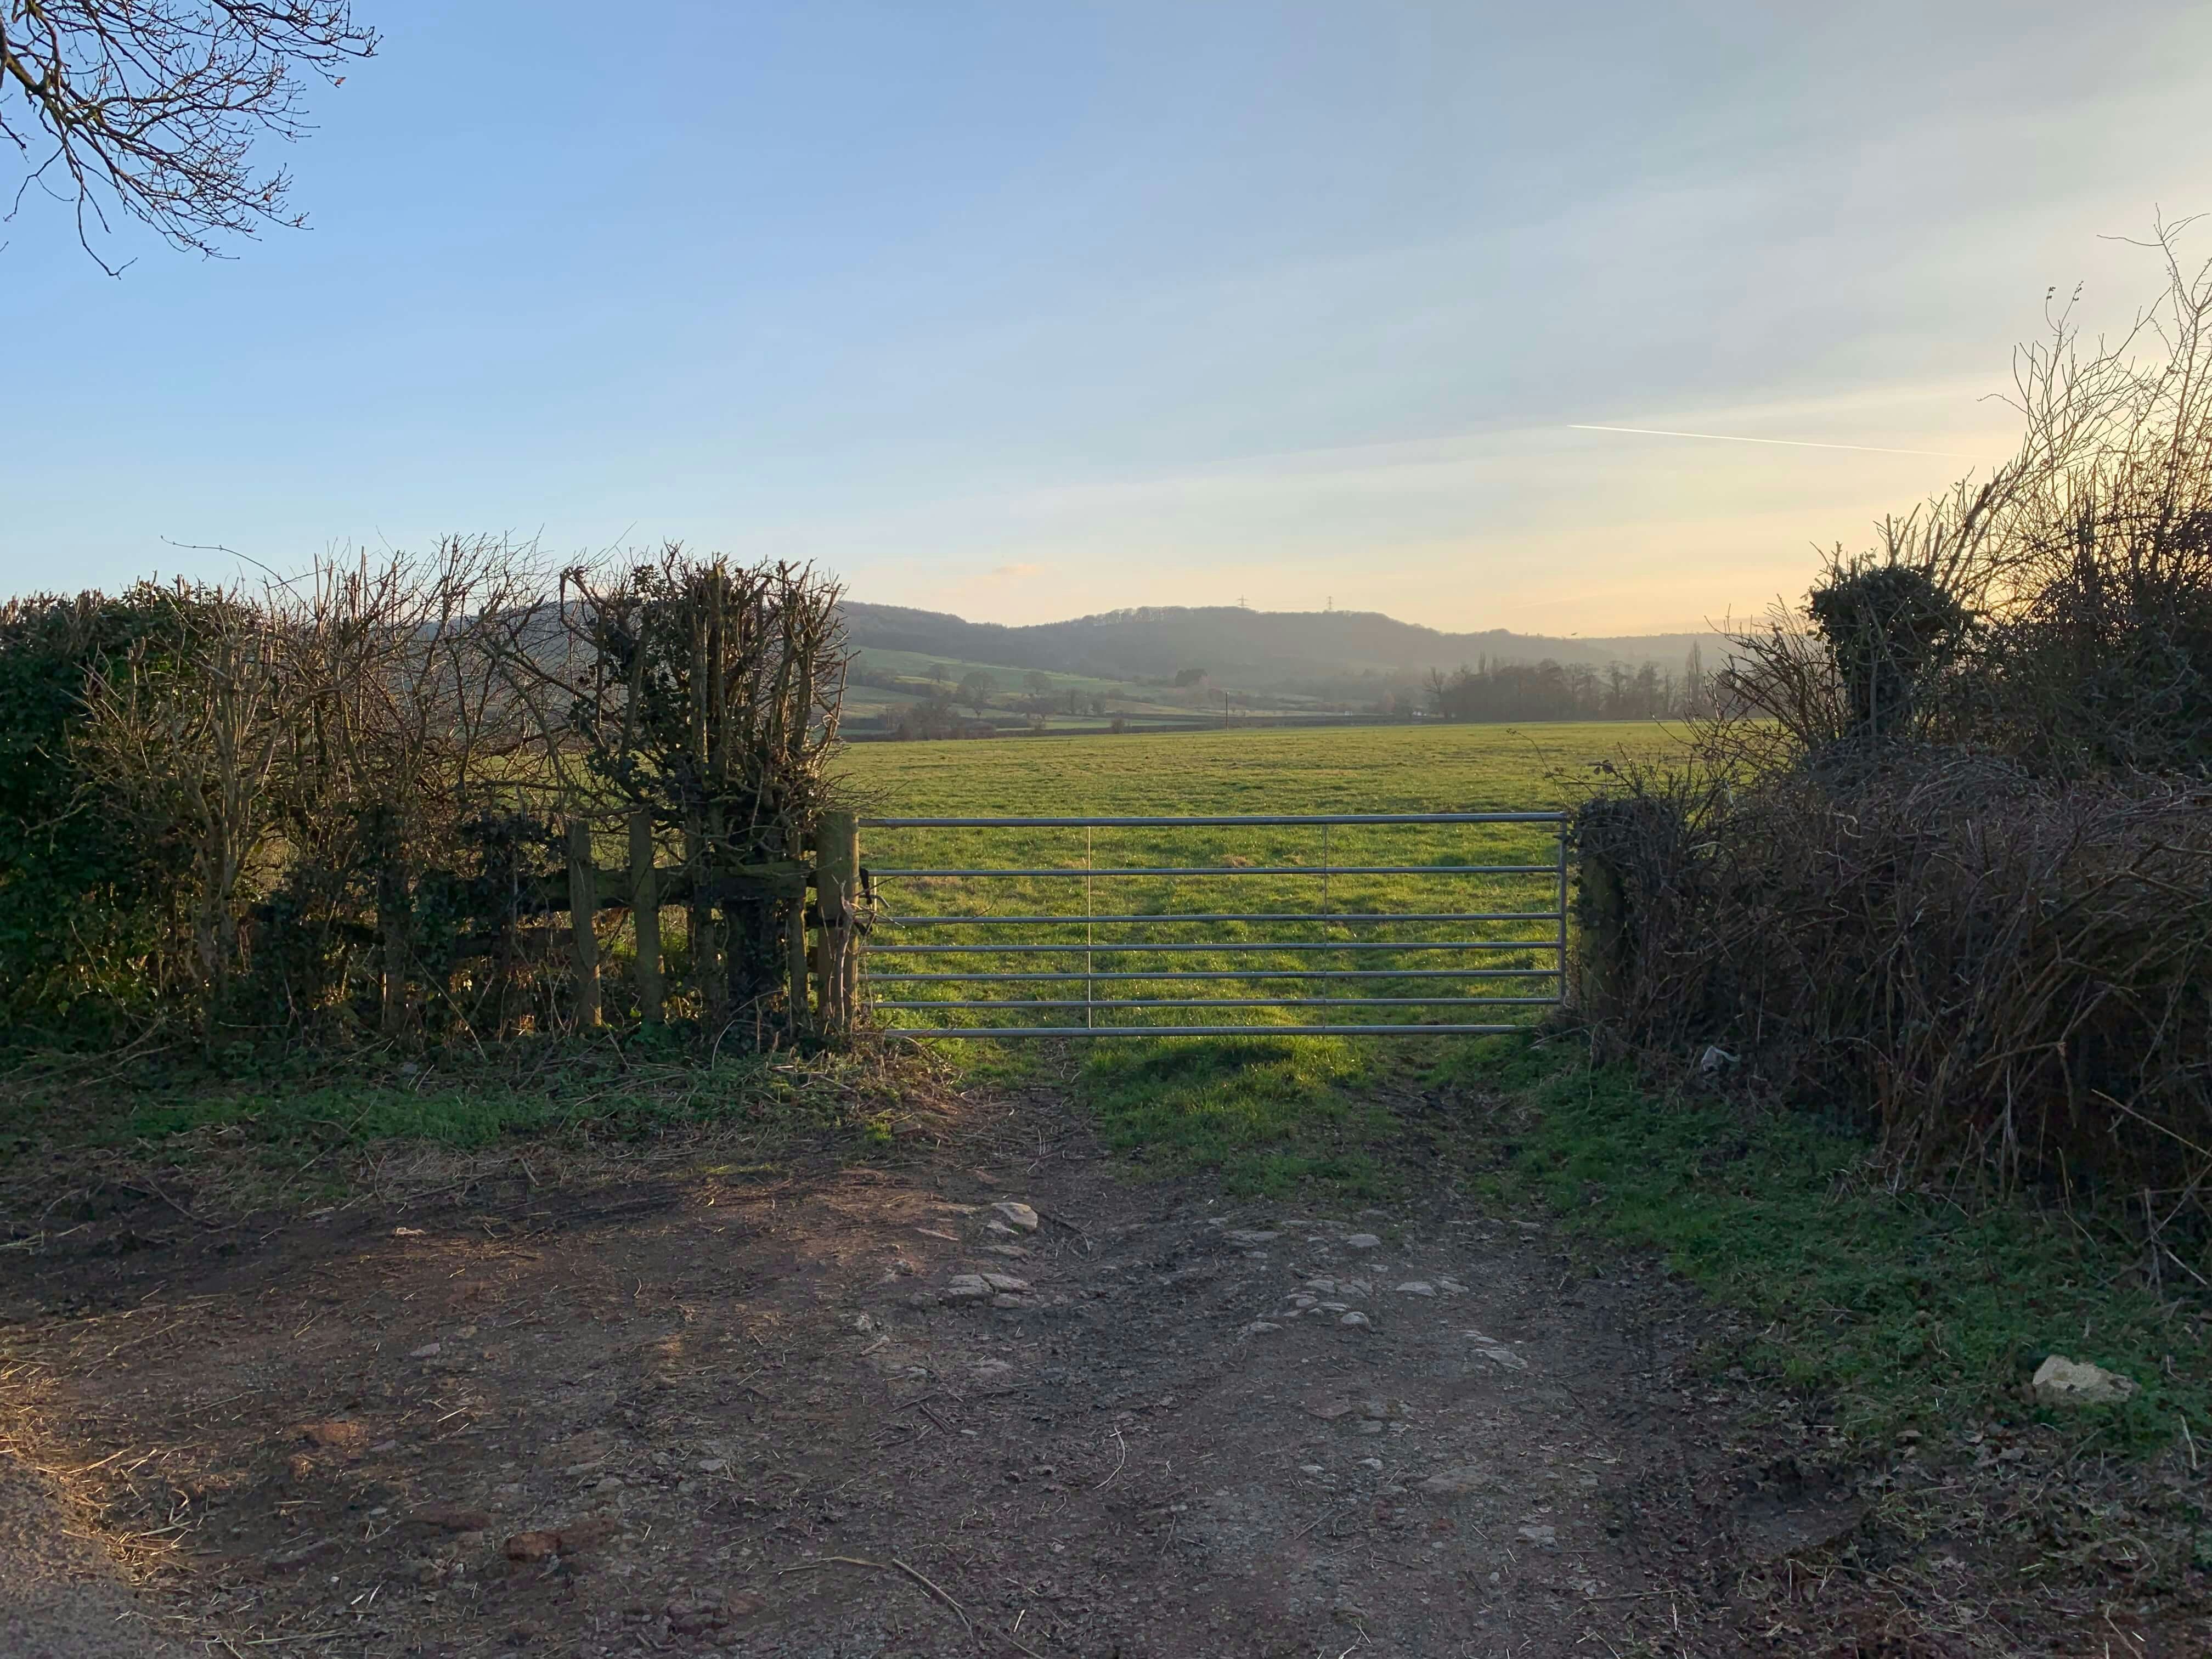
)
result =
(686, 1411)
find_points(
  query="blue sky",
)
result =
(1030, 309)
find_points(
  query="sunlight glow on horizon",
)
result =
(1032, 313)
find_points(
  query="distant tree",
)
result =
(977, 689)
(1695, 702)
(152, 107)
(1037, 684)
(934, 717)
(1189, 677)
(1548, 690)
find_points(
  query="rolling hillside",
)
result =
(1330, 653)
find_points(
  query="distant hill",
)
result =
(1309, 650)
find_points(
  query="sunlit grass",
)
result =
(1269, 772)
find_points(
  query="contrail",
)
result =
(1791, 443)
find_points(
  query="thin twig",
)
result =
(1124, 1447)
(893, 1565)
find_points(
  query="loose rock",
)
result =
(1496, 1352)
(1417, 1287)
(1018, 1216)
(1362, 1242)
(2063, 1381)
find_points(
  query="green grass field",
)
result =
(1281, 872)
(1386, 768)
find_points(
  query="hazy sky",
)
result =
(1030, 309)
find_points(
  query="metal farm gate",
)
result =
(1018, 942)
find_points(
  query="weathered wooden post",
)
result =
(583, 909)
(704, 928)
(794, 960)
(645, 912)
(1602, 959)
(837, 875)
(392, 927)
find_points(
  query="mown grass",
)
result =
(1400, 769)
(1356, 770)
(1274, 1116)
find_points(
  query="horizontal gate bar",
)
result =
(1168, 974)
(1245, 1002)
(1227, 948)
(1459, 988)
(1378, 1028)
(1552, 870)
(1255, 915)
(1235, 820)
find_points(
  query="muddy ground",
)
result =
(792, 1414)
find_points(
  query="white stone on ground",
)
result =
(1496, 1352)
(2063, 1381)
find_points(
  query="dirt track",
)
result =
(712, 1414)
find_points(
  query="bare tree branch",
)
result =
(153, 107)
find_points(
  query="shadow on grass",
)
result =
(1275, 1116)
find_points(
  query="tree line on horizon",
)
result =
(1550, 691)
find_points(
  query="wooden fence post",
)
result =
(836, 877)
(1602, 964)
(794, 960)
(645, 912)
(392, 927)
(583, 908)
(704, 932)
